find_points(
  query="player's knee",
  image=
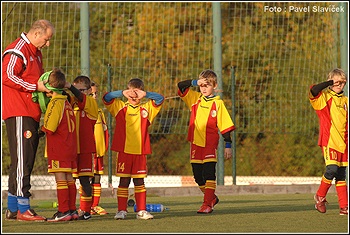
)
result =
(199, 180)
(138, 181)
(331, 172)
(341, 174)
(85, 184)
(124, 181)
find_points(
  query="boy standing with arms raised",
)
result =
(132, 142)
(331, 106)
(86, 112)
(209, 116)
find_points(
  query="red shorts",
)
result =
(98, 165)
(202, 154)
(85, 165)
(131, 165)
(333, 157)
(61, 166)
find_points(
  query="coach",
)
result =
(21, 69)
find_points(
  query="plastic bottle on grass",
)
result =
(153, 208)
(48, 204)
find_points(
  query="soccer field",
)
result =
(272, 213)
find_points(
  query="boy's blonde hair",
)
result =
(208, 75)
(337, 72)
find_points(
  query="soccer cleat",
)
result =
(144, 215)
(84, 215)
(10, 215)
(320, 204)
(97, 210)
(29, 215)
(343, 211)
(214, 201)
(74, 214)
(120, 215)
(59, 216)
(205, 209)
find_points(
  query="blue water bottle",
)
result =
(153, 208)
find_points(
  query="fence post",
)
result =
(84, 39)
(233, 81)
(217, 54)
(109, 124)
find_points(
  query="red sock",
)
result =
(85, 201)
(342, 193)
(140, 197)
(72, 195)
(209, 195)
(122, 197)
(96, 194)
(62, 195)
(324, 187)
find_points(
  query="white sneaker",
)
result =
(144, 215)
(120, 215)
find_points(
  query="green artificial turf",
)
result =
(272, 213)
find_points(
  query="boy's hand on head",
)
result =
(202, 82)
(41, 87)
(140, 93)
(67, 85)
(338, 82)
(130, 94)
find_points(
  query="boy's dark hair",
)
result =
(136, 83)
(84, 80)
(94, 84)
(57, 79)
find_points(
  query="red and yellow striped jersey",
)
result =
(332, 111)
(60, 128)
(208, 117)
(86, 113)
(131, 130)
(101, 134)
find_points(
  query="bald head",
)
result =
(40, 33)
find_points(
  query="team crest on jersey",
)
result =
(213, 113)
(27, 134)
(144, 113)
(55, 164)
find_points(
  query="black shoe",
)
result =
(10, 215)
(74, 214)
(59, 216)
(84, 215)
